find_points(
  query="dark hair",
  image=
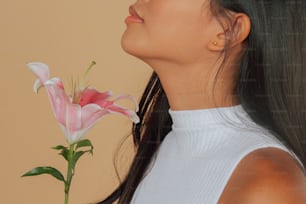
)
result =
(271, 85)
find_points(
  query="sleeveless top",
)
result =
(198, 156)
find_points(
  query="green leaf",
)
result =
(65, 153)
(76, 158)
(45, 170)
(59, 147)
(85, 143)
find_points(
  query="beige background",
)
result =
(67, 35)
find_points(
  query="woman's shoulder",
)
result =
(266, 176)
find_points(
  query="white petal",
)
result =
(41, 70)
(37, 85)
(67, 136)
(92, 107)
(77, 136)
(72, 137)
(134, 117)
(52, 81)
(128, 97)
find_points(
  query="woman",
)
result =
(223, 115)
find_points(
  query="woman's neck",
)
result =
(197, 86)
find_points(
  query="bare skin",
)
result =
(266, 176)
(183, 47)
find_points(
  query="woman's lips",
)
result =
(134, 17)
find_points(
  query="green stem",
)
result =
(66, 198)
(69, 173)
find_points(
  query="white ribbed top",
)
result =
(197, 158)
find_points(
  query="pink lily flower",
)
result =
(78, 112)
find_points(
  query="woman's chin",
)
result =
(133, 48)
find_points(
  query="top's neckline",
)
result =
(199, 118)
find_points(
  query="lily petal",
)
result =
(129, 113)
(73, 117)
(75, 136)
(55, 81)
(73, 122)
(37, 85)
(58, 99)
(128, 97)
(41, 70)
(91, 113)
(90, 95)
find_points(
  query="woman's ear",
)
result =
(218, 43)
(236, 34)
(241, 28)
